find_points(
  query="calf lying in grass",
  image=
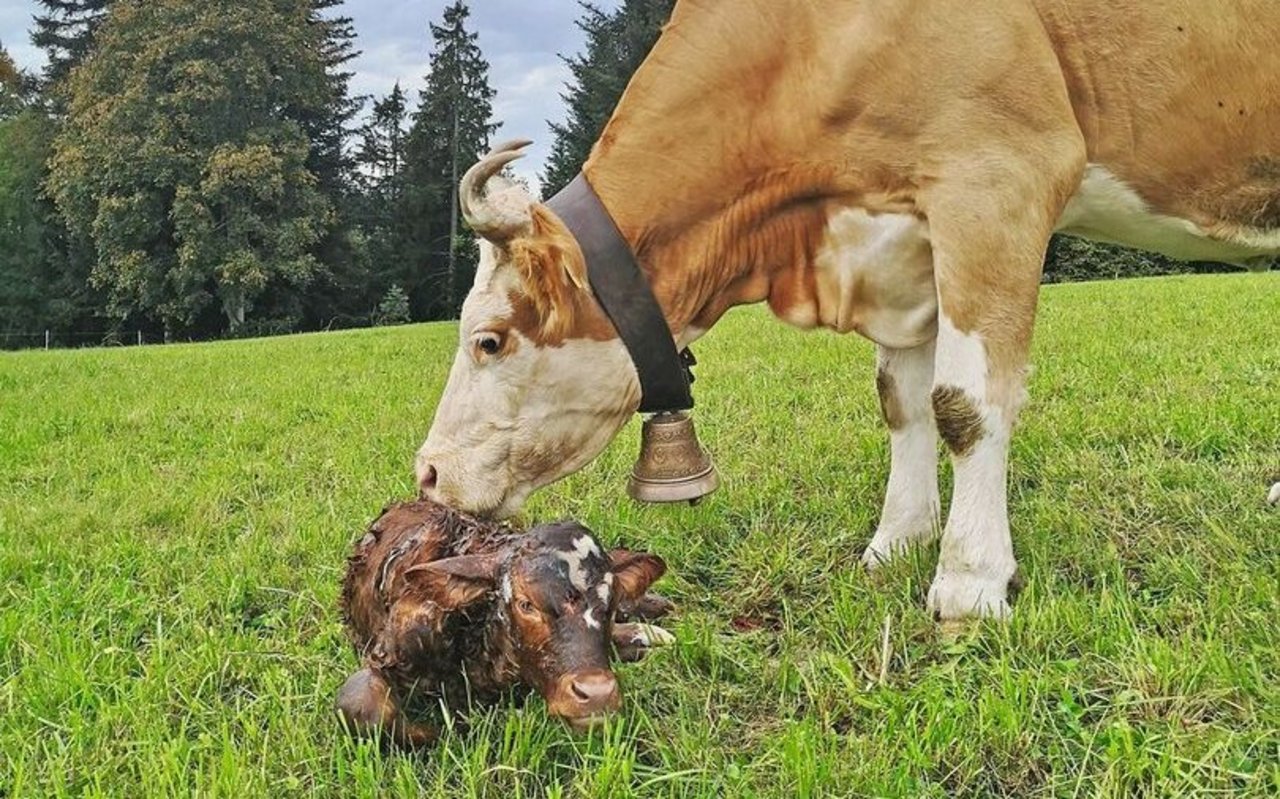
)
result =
(441, 605)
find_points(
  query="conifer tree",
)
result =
(450, 131)
(65, 30)
(616, 45)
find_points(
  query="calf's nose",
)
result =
(597, 689)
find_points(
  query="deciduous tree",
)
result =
(182, 161)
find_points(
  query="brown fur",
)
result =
(724, 158)
(556, 302)
(421, 606)
(894, 417)
(959, 421)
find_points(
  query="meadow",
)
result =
(174, 522)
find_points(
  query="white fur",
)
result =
(975, 561)
(1273, 496)
(507, 593)
(602, 590)
(499, 417)
(1106, 209)
(590, 619)
(910, 513)
(582, 548)
(874, 274)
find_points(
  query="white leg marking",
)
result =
(975, 562)
(910, 512)
(1273, 496)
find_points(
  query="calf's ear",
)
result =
(634, 572)
(455, 583)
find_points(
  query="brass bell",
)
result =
(672, 466)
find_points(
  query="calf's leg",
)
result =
(370, 708)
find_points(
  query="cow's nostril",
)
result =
(594, 687)
(427, 480)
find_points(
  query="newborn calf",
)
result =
(442, 605)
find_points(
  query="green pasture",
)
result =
(174, 521)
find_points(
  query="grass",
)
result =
(173, 522)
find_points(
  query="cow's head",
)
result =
(540, 383)
(557, 592)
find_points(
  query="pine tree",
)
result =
(616, 45)
(177, 167)
(342, 285)
(65, 31)
(450, 131)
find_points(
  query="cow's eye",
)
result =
(488, 343)
(526, 607)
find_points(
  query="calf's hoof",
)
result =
(957, 595)
(649, 607)
(889, 544)
(633, 641)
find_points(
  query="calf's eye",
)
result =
(526, 607)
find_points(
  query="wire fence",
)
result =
(51, 339)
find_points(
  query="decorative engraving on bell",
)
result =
(672, 466)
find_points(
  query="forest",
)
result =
(198, 169)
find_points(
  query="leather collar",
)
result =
(623, 291)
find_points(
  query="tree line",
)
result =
(200, 168)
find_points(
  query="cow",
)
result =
(442, 606)
(894, 169)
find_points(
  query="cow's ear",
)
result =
(552, 270)
(455, 583)
(634, 572)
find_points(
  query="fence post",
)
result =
(46, 339)
(139, 338)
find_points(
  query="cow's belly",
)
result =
(873, 274)
(1104, 208)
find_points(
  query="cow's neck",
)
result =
(716, 179)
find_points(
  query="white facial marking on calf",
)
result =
(507, 592)
(583, 547)
(590, 619)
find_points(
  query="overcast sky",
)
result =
(521, 39)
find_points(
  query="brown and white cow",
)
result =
(890, 168)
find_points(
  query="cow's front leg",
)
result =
(975, 561)
(989, 233)
(904, 379)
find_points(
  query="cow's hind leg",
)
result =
(904, 379)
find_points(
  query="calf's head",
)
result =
(554, 595)
(540, 381)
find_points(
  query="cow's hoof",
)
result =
(965, 595)
(888, 545)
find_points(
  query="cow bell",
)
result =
(672, 466)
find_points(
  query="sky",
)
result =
(522, 39)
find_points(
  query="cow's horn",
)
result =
(486, 219)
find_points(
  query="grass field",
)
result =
(173, 522)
